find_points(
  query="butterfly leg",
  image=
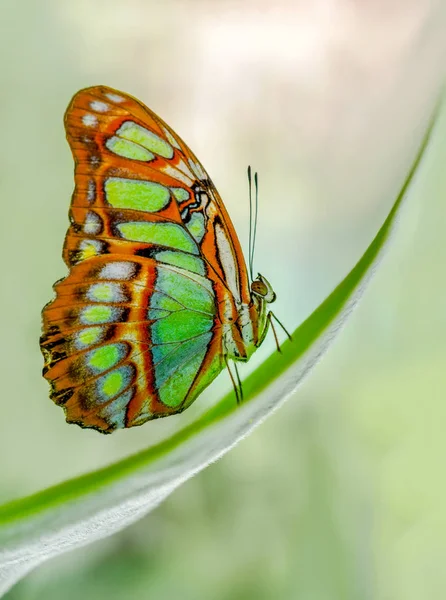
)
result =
(276, 339)
(236, 383)
(239, 383)
(270, 316)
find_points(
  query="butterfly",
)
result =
(158, 298)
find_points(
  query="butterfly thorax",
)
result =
(245, 325)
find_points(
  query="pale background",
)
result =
(341, 494)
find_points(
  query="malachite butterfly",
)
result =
(158, 296)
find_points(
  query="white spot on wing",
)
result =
(227, 261)
(171, 139)
(91, 191)
(86, 245)
(90, 120)
(99, 106)
(92, 223)
(185, 169)
(197, 169)
(114, 97)
(177, 174)
(121, 270)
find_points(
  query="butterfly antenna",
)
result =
(250, 223)
(254, 232)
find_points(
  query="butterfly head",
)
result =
(262, 288)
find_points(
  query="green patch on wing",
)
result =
(113, 383)
(88, 336)
(180, 326)
(97, 314)
(168, 359)
(160, 301)
(196, 227)
(147, 139)
(128, 149)
(174, 390)
(182, 260)
(142, 195)
(105, 357)
(170, 235)
(191, 290)
(180, 193)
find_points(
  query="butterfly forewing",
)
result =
(134, 332)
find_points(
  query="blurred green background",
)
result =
(342, 493)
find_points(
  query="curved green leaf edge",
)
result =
(302, 339)
(93, 506)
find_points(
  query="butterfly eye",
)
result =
(261, 287)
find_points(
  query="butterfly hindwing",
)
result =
(117, 334)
